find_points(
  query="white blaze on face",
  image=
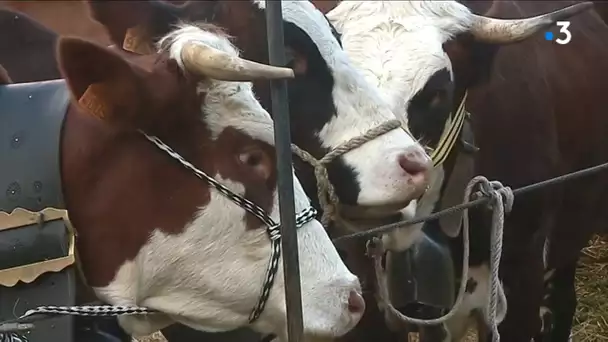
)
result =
(210, 276)
(359, 107)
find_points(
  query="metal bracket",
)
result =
(28, 273)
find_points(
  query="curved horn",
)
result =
(210, 62)
(504, 31)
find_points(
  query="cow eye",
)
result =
(256, 162)
(251, 158)
(436, 98)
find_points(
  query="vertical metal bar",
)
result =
(282, 138)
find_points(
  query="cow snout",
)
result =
(356, 303)
(417, 164)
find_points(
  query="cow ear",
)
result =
(4, 78)
(102, 82)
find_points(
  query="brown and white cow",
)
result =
(424, 55)
(150, 232)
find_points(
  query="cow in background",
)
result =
(521, 98)
(601, 7)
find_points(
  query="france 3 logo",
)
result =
(565, 34)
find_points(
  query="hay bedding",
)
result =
(591, 321)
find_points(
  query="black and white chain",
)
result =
(88, 310)
(13, 337)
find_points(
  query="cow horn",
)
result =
(503, 31)
(213, 63)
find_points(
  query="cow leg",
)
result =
(457, 325)
(523, 284)
(475, 304)
(484, 334)
(545, 314)
(562, 298)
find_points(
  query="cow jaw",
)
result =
(210, 276)
(365, 218)
(403, 238)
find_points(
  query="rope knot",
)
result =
(497, 192)
(501, 202)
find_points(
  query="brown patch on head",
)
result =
(4, 78)
(118, 186)
(252, 163)
(128, 95)
(325, 5)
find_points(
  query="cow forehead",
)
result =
(225, 104)
(232, 104)
(401, 61)
(448, 16)
(306, 17)
(400, 38)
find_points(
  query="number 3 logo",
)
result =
(564, 29)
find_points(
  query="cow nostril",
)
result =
(356, 303)
(414, 162)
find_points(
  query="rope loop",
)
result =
(501, 202)
(496, 192)
(328, 199)
(495, 189)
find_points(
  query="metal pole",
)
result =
(282, 139)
